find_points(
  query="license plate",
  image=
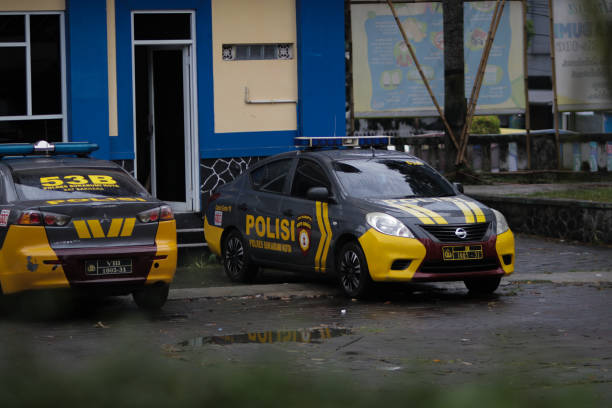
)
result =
(108, 266)
(462, 253)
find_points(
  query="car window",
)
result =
(271, 177)
(308, 174)
(391, 178)
(75, 182)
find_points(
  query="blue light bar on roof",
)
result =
(45, 149)
(342, 141)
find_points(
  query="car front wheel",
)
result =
(482, 286)
(152, 297)
(353, 271)
(236, 262)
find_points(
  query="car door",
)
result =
(259, 209)
(313, 232)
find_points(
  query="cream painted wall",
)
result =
(254, 22)
(32, 5)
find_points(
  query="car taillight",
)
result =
(165, 213)
(212, 198)
(56, 220)
(149, 215)
(30, 217)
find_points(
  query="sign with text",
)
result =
(386, 81)
(581, 71)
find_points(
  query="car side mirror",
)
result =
(458, 187)
(318, 193)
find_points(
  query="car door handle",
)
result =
(243, 207)
(288, 213)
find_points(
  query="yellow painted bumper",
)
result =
(163, 270)
(213, 237)
(381, 250)
(505, 246)
(22, 261)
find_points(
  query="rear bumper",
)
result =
(27, 262)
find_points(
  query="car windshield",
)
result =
(391, 178)
(75, 182)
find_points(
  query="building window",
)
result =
(32, 77)
(236, 52)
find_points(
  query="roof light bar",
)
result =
(342, 141)
(45, 148)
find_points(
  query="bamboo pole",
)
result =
(423, 77)
(477, 82)
(526, 86)
(554, 82)
(495, 20)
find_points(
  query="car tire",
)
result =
(482, 286)
(236, 260)
(353, 272)
(151, 297)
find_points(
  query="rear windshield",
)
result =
(75, 182)
(391, 178)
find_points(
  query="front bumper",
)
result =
(397, 259)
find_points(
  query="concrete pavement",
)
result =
(312, 290)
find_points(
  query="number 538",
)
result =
(75, 180)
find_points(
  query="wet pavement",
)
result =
(504, 189)
(536, 331)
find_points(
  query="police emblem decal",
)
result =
(304, 225)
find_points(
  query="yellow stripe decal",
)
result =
(480, 217)
(328, 237)
(115, 227)
(322, 230)
(96, 228)
(436, 217)
(422, 217)
(81, 229)
(469, 215)
(128, 227)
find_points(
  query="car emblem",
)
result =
(461, 233)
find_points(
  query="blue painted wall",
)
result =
(87, 73)
(321, 77)
(123, 147)
(321, 68)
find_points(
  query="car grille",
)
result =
(459, 266)
(446, 233)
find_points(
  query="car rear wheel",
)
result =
(152, 297)
(353, 271)
(482, 286)
(236, 262)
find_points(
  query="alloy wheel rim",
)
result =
(234, 256)
(350, 269)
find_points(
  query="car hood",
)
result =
(454, 210)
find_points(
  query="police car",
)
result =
(364, 215)
(69, 221)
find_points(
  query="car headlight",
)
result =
(500, 221)
(388, 224)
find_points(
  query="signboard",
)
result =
(581, 79)
(386, 81)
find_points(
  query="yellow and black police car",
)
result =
(70, 221)
(364, 215)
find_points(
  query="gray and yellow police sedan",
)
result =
(76, 222)
(365, 216)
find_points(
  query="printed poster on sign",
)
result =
(386, 80)
(580, 67)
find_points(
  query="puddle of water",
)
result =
(315, 335)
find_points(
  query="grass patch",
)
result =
(599, 194)
(146, 379)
